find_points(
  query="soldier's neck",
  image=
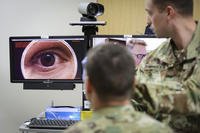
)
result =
(98, 104)
(183, 32)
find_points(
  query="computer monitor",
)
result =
(152, 42)
(139, 45)
(55, 59)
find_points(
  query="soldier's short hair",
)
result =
(111, 70)
(184, 7)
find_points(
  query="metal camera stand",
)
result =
(89, 28)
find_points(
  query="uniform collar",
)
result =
(193, 49)
(112, 111)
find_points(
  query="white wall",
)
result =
(32, 17)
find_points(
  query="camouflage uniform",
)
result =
(168, 85)
(119, 119)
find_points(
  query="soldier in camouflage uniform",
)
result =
(109, 81)
(168, 79)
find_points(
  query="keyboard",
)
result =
(51, 124)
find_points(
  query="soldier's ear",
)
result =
(171, 12)
(88, 85)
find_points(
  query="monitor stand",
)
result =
(48, 86)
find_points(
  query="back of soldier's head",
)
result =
(111, 70)
(184, 7)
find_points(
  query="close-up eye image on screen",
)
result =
(56, 58)
(53, 59)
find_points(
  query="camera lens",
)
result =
(92, 9)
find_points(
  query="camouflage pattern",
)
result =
(168, 85)
(119, 119)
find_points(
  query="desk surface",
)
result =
(23, 128)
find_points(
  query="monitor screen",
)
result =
(56, 58)
(152, 42)
(139, 45)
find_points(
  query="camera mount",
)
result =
(88, 20)
(89, 28)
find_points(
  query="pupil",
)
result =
(47, 59)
